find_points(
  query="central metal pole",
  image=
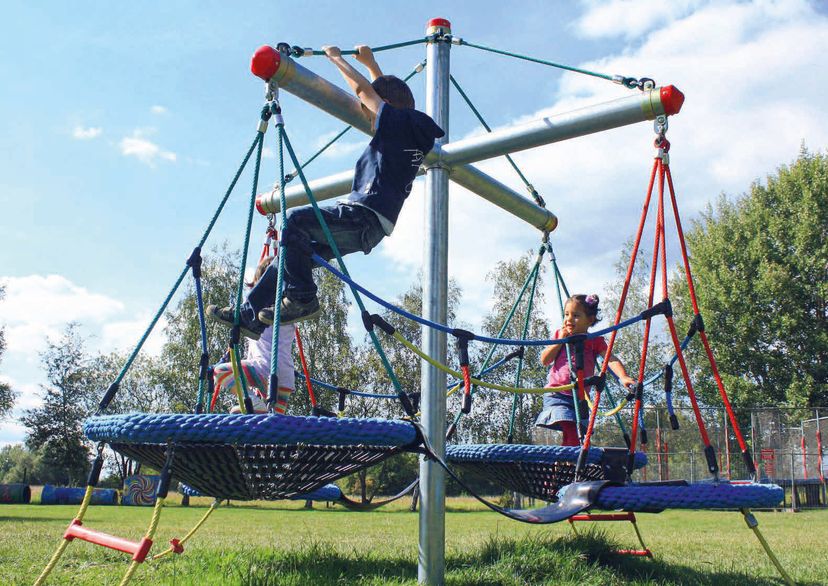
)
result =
(431, 559)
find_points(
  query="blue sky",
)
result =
(123, 123)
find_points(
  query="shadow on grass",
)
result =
(23, 519)
(587, 559)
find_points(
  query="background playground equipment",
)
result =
(140, 489)
(71, 495)
(15, 494)
(268, 456)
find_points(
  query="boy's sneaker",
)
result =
(225, 315)
(291, 311)
(259, 406)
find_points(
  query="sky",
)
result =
(123, 124)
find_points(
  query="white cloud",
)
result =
(82, 133)
(144, 150)
(339, 148)
(123, 335)
(629, 18)
(11, 432)
(159, 110)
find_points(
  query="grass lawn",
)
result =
(280, 543)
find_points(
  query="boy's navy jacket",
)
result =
(386, 169)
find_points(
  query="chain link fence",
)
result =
(785, 444)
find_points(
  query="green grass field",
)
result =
(280, 543)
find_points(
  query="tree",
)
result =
(760, 264)
(395, 473)
(492, 410)
(54, 428)
(181, 353)
(20, 464)
(6, 392)
(628, 341)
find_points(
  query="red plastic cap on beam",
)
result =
(265, 62)
(672, 99)
(441, 22)
(259, 206)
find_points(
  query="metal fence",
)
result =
(785, 444)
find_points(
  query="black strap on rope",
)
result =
(697, 325)
(463, 338)
(664, 307)
(97, 466)
(668, 389)
(166, 473)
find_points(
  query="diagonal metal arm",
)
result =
(457, 155)
(303, 83)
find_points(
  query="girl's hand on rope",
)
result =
(627, 382)
(332, 51)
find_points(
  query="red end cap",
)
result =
(142, 550)
(259, 207)
(265, 62)
(441, 22)
(672, 99)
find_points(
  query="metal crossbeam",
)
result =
(456, 156)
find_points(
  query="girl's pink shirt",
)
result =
(559, 371)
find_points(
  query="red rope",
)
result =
(659, 232)
(645, 208)
(305, 368)
(466, 379)
(713, 366)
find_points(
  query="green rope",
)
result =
(373, 49)
(541, 61)
(240, 288)
(332, 243)
(180, 279)
(294, 174)
(280, 275)
(518, 398)
(529, 187)
(505, 325)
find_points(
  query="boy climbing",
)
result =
(383, 177)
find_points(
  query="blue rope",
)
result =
(443, 328)
(204, 349)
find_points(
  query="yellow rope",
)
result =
(612, 411)
(153, 526)
(640, 539)
(456, 374)
(87, 498)
(192, 531)
(237, 385)
(753, 523)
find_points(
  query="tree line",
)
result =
(760, 262)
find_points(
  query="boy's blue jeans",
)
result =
(354, 228)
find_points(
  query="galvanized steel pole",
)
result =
(431, 558)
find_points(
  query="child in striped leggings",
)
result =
(256, 365)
